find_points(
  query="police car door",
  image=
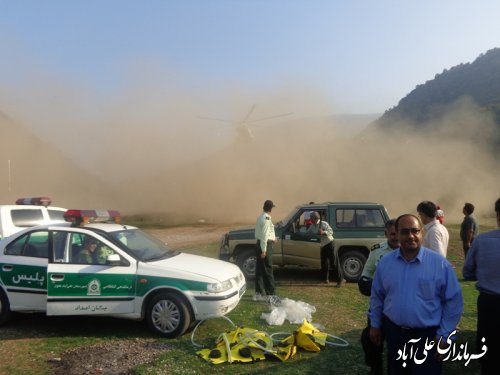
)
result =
(24, 270)
(82, 281)
(299, 246)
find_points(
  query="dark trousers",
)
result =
(373, 353)
(264, 277)
(397, 337)
(466, 249)
(488, 326)
(330, 261)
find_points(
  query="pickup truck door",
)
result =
(87, 289)
(298, 247)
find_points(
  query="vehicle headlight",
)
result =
(219, 287)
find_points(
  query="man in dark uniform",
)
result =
(373, 353)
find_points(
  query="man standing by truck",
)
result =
(265, 236)
(329, 258)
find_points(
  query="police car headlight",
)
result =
(219, 287)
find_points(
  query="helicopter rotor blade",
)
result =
(245, 119)
(270, 117)
(245, 123)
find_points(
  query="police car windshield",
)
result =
(142, 246)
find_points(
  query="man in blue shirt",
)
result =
(415, 299)
(482, 264)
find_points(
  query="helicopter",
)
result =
(243, 127)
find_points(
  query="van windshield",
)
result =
(142, 246)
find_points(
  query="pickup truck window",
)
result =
(303, 221)
(350, 218)
(26, 218)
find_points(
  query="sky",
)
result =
(123, 88)
(357, 56)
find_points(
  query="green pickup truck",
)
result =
(357, 226)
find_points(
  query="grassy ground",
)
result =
(31, 341)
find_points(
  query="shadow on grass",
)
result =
(38, 325)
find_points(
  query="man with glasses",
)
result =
(415, 299)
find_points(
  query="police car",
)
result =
(89, 267)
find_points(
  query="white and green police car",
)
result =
(85, 267)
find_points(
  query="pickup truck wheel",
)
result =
(4, 307)
(352, 263)
(247, 261)
(168, 315)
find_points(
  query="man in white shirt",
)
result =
(436, 235)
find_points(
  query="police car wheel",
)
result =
(4, 307)
(247, 261)
(168, 315)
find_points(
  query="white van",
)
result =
(28, 212)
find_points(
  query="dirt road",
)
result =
(186, 236)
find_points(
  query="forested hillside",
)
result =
(478, 82)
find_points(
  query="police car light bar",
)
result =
(36, 201)
(79, 217)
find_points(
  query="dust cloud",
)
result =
(149, 152)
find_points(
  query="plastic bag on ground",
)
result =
(293, 311)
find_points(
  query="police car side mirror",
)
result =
(113, 260)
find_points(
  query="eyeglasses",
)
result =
(407, 231)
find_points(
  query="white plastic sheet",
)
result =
(293, 311)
